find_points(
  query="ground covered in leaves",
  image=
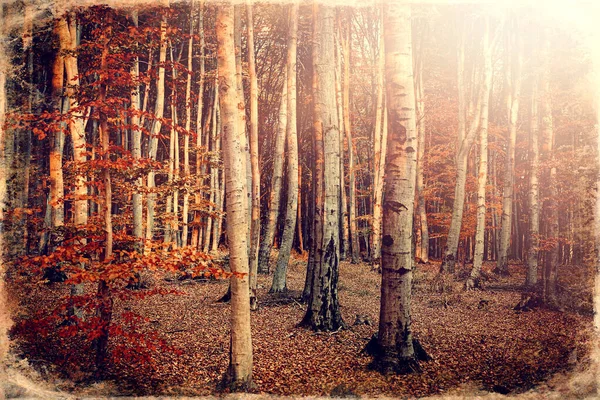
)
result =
(476, 338)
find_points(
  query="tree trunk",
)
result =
(421, 125)
(534, 192)
(186, 140)
(5, 321)
(239, 373)
(355, 247)
(105, 302)
(57, 139)
(466, 138)
(67, 31)
(136, 147)
(277, 177)
(514, 90)
(345, 234)
(323, 311)
(379, 146)
(255, 221)
(551, 206)
(155, 130)
(279, 277)
(395, 340)
(316, 229)
(474, 278)
(196, 236)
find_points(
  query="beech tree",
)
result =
(466, 137)
(323, 311)
(239, 373)
(280, 275)
(396, 352)
(513, 92)
(475, 276)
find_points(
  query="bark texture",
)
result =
(395, 338)
(279, 277)
(239, 373)
(323, 311)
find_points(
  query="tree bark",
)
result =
(514, 90)
(274, 197)
(196, 236)
(421, 125)
(474, 278)
(466, 138)
(239, 373)
(136, 147)
(395, 338)
(534, 191)
(280, 275)
(323, 311)
(155, 130)
(379, 146)
(186, 140)
(255, 220)
(355, 248)
(550, 206)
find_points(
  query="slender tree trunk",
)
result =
(5, 321)
(255, 220)
(57, 139)
(466, 138)
(534, 192)
(395, 339)
(67, 31)
(551, 206)
(475, 276)
(316, 223)
(421, 125)
(514, 87)
(277, 177)
(186, 140)
(196, 236)
(345, 234)
(105, 305)
(155, 130)
(323, 311)
(348, 131)
(239, 373)
(136, 147)
(280, 275)
(213, 171)
(379, 145)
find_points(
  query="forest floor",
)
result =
(477, 341)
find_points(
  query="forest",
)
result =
(299, 199)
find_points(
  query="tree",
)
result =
(396, 352)
(550, 205)
(323, 311)
(4, 310)
(255, 220)
(465, 141)
(159, 107)
(379, 150)
(423, 246)
(346, 37)
(513, 92)
(274, 197)
(239, 373)
(534, 190)
(473, 280)
(279, 277)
